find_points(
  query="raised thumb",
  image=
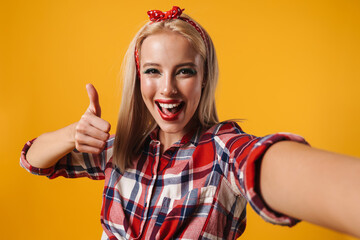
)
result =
(94, 106)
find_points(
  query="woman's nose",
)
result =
(168, 86)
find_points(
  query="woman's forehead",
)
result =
(167, 46)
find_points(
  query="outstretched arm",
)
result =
(313, 185)
(88, 135)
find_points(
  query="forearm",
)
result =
(313, 185)
(48, 148)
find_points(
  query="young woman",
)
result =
(173, 170)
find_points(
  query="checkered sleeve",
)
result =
(245, 156)
(251, 177)
(73, 165)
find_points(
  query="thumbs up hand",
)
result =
(94, 106)
(92, 132)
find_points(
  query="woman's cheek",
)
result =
(148, 87)
(194, 90)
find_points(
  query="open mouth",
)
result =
(169, 111)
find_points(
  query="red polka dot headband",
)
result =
(157, 15)
(174, 13)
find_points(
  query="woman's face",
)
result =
(171, 81)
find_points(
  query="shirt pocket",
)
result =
(196, 202)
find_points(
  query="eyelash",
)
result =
(183, 71)
(187, 71)
(151, 71)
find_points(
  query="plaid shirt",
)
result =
(197, 189)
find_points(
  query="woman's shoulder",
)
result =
(225, 127)
(224, 132)
(226, 135)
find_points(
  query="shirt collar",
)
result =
(191, 137)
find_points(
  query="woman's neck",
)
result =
(169, 138)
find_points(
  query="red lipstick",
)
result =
(169, 113)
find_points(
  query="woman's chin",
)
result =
(171, 128)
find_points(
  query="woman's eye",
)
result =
(151, 71)
(187, 71)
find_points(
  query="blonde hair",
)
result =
(135, 121)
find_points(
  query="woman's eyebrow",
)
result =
(149, 64)
(191, 64)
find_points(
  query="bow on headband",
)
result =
(175, 12)
(157, 15)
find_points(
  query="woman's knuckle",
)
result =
(97, 151)
(80, 127)
(77, 138)
(83, 117)
(103, 137)
(108, 127)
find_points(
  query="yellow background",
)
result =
(284, 66)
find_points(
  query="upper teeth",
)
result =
(165, 105)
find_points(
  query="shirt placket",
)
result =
(150, 190)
